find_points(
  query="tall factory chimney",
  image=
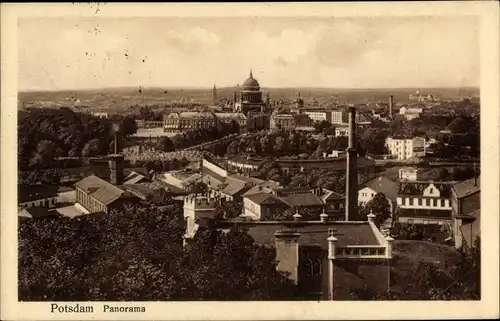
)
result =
(115, 162)
(391, 105)
(214, 96)
(351, 195)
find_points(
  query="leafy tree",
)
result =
(137, 254)
(128, 126)
(165, 144)
(380, 207)
(92, 148)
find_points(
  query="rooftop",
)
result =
(36, 192)
(383, 185)
(100, 189)
(468, 187)
(417, 187)
(312, 233)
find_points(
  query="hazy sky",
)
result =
(56, 53)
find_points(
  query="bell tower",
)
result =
(214, 96)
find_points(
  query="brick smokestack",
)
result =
(115, 162)
(352, 169)
(391, 105)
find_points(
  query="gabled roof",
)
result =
(303, 199)
(382, 185)
(266, 187)
(417, 187)
(100, 189)
(264, 198)
(466, 188)
(331, 195)
(233, 187)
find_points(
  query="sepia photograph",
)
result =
(247, 158)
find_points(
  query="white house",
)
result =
(368, 190)
(342, 131)
(424, 202)
(406, 148)
(408, 174)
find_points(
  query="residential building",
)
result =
(289, 121)
(422, 202)
(405, 147)
(318, 115)
(465, 200)
(368, 190)
(338, 117)
(408, 174)
(342, 131)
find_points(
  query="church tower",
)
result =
(214, 96)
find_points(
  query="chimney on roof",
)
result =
(297, 216)
(352, 172)
(324, 216)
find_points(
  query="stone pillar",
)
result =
(331, 256)
(287, 253)
(371, 217)
(388, 251)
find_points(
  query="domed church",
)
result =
(250, 97)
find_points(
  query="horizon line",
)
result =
(228, 87)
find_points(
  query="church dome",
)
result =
(251, 83)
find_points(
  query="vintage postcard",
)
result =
(250, 161)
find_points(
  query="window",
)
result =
(442, 203)
(431, 190)
(410, 201)
(435, 202)
(419, 202)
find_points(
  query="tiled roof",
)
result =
(417, 188)
(303, 199)
(266, 187)
(265, 198)
(331, 195)
(100, 189)
(413, 212)
(382, 185)
(466, 188)
(233, 187)
(35, 192)
(246, 179)
(312, 233)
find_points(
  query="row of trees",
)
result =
(45, 133)
(137, 255)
